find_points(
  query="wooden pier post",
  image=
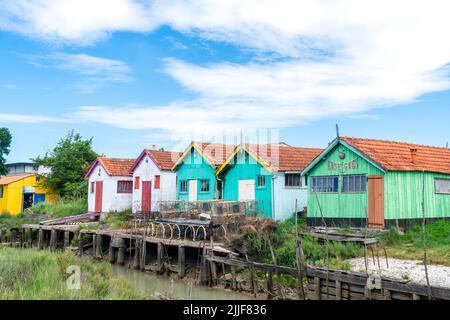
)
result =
(181, 261)
(94, 245)
(112, 254)
(99, 246)
(66, 240)
(53, 238)
(317, 293)
(269, 283)
(142, 254)
(338, 290)
(204, 276)
(121, 252)
(80, 245)
(40, 239)
(136, 259)
(159, 256)
(30, 237)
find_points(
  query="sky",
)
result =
(133, 74)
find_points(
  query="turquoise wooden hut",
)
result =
(270, 174)
(359, 182)
(196, 168)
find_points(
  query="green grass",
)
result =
(409, 245)
(61, 208)
(118, 220)
(8, 221)
(31, 274)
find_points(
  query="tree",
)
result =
(5, 143)
(69, 162)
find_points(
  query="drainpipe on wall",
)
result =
(274, 176)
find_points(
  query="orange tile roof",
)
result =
(216, 153)
(281, 157)
(400, 156)
(10, 179)
(114, 166)
(163, 159)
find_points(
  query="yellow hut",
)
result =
(21, 191)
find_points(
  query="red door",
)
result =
(376, 202)
(146, 196)
(98, 196)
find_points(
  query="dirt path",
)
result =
(406, 269)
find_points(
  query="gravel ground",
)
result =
(406, 269)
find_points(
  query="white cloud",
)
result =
(320, 58)
(94, 72)
(25, 118)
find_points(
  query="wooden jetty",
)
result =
(214, 264)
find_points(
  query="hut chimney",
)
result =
(153, 146)
(413, 155)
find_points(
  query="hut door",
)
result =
(192, 190)
(98, 196)
(246, 190)
(376, 202)
(146, 196)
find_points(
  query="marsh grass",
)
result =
(61, 208)
(409, 245)
(31, 274)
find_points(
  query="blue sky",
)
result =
(149, 72)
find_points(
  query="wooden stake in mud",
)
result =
(94, 245)
(99, 245)
(112, 254)
(159, 256)
(80, 245)
(40, 239)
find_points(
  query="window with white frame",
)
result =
(325, 184)
(354, 183)
(442, 186)
(292, 180)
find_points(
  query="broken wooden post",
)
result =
(181, 261)
(121, 251)
(40, 239)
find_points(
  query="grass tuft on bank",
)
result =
(409, 245)
(256, 246)
(61, 208)
(31, 274)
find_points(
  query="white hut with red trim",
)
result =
(154, 181)
(110, 185)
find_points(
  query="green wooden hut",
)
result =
(377, 183)
(270, 175)
(196, 178)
